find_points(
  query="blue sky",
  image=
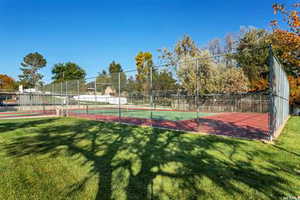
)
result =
(93, 33)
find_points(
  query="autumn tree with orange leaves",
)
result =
(7, 83)
(290, 15)
(286, 44)
(295, 90)
(287, 47)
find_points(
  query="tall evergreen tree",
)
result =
(31, 64)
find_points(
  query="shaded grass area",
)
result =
(65, 158)
(16, 114)
(140, 113)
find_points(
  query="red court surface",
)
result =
(244, 125)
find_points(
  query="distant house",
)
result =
(110, 91)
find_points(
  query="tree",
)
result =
(287, 47)
(31, 64)
(229, 47)
(164, 81)
(252, 56)
(290, 15)
(114, 67)
(103, 72)
(144, 64)
(214, 47)
(232, 80)
(196, 73)
(103, 81)
(114, 70)
(295, 89)
(286, 44)
(194, 67)
(7, 83)
(186, 47)
(131, 86)
(67, 71)
(229, 43)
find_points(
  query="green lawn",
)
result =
(64, 158)
(17, 114)
(165, 115)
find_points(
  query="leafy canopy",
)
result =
(287, 47)
(67, 71)
(286, 44)
(111, 79)
(6, 82)
(289, 15)
(31, 64)
(144, 65)
(114, 67)
(252, 56)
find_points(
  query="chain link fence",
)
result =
(279, 96)
(204, 94)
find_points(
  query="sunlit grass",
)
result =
(64, 158)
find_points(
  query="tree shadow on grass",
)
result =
(219, 127)
(10, 125)
(134, 163)
(288, 151)
(243, 128)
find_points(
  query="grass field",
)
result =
(17, 114)
(146, 113)
(64, 158)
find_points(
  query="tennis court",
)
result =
(145, 113)
(236, 124)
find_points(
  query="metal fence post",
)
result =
(78, 93)
(66, 88)
(67, 99)
(51, 93)
(119, 91)
(271, 100)
(61, 94)
(151, 92)
(95, 90)
(197, 90)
